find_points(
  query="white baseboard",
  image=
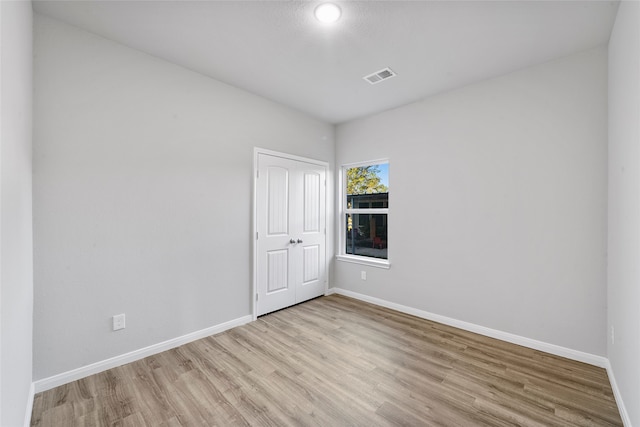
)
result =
(94, 368)
(557, 350)
(626, 421)
(27, 414)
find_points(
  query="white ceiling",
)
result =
(278, 50)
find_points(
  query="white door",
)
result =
(290, 220)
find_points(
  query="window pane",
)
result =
(366, 235)
(364, 201)
(367, 185)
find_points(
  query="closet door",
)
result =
(290, 219)
(310, 247)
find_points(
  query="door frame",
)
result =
(254, 219)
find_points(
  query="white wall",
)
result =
(142, 196)
(497, 202)
(624, 206)
(16, 265)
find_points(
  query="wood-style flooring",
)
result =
(335, 361)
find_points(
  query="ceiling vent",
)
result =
(378, 76)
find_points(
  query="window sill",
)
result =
(371, 262)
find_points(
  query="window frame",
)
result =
(343, 211)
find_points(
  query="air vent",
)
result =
(378, 76)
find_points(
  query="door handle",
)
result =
(299, 240)
(293, 242)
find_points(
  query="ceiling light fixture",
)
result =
(327, 13)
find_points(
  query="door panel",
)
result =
(277, 271)
(310, 266)
(278, 200)
(311, 202)
(290, 220)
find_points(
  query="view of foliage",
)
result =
(364, 180)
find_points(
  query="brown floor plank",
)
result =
(336, 361)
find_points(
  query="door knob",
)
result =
(299, 241)
(293, 242)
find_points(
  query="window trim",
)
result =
(343, 211)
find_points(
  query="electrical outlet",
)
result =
(363, 275)
(118, 322)
(613, 335)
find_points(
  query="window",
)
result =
(365, 213)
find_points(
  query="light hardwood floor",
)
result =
(335, 361)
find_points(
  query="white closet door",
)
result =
(291, 232)
(311, 228)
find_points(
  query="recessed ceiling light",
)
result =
(328, 13)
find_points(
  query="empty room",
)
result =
(220, 213)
